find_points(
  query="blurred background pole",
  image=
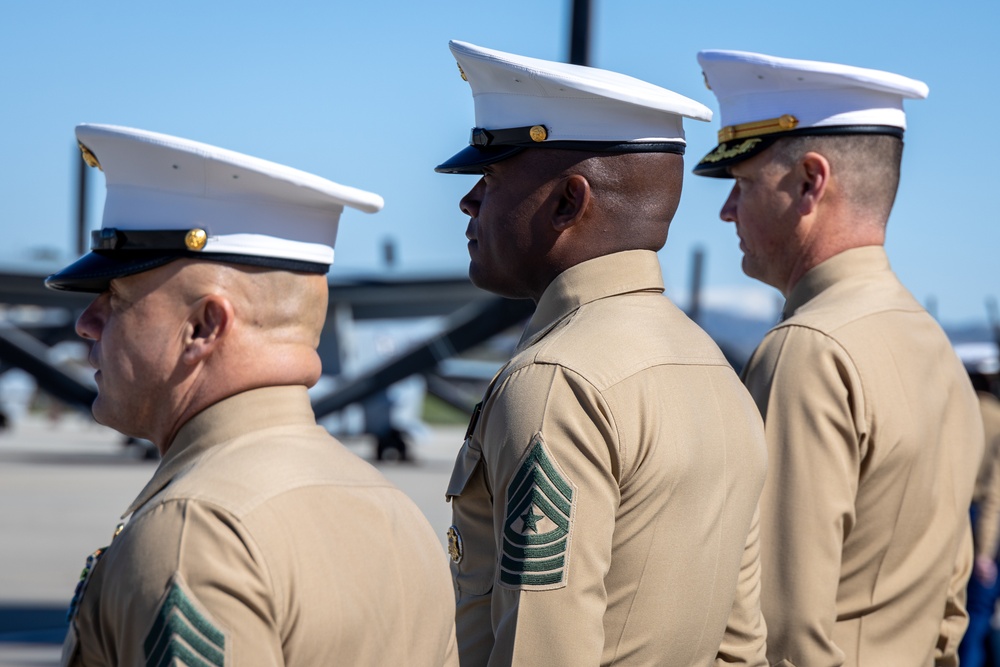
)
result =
(82, 244)
(579, 38)
(993, 316)
(697, 271)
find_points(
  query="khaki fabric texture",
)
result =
(662, 451)
(874, 440)
(293, 548)
(987, 495)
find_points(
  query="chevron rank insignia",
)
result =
(538, 523)
(183, 634)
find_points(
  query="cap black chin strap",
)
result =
(835, 130)
(526, 137)
(513, 136)
(153, 245)
(111, 238)
(676, 147)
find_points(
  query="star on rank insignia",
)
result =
(538, 523)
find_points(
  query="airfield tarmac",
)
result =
(63, 486)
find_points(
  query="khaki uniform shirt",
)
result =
(603, 500)
(260, 540)
(874, 439)
(987, 495)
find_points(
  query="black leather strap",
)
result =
(520, 136)
(111, 238)
(513, 136)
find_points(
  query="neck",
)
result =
(267, 365)
(827, 237)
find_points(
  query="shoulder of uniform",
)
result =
(610, 340)
(247, 472)
(801, 333)
(796, 345)
(856, 299)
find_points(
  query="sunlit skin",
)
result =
(507, 208)
(169, 342)
(540, 212)
(791, 218)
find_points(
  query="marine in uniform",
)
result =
(604, 496)
(260, 540)
(983, 366)
(873, 431)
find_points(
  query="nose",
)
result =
(91, 321)
(470, 202)
(728, 212)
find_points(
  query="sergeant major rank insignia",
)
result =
(538, 522)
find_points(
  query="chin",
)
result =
(107, 418)
(477, 279)
(100, 414)
(749, 270)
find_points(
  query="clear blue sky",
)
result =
(366, 93)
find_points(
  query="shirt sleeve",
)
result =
(987, 528)
(956, 617)
(745, 640)
(814, 424)
(550, 453)
(191, 586)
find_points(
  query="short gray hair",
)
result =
(865, 165)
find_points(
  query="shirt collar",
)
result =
(609, 275)
(230, 418)
(848, 264)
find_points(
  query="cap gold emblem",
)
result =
(538, 133)
(462, 72)
(89, 157)
(456, 549)
(196, 239)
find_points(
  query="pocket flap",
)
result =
(465, 465)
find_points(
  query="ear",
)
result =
(209, 323)
(815, 179)
(574, 199)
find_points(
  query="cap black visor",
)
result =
(472, 159)
(94, 271)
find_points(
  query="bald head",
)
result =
(273, 321)
(633, 196)
(174, 340)
(271, 306)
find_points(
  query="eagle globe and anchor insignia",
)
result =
(538, 523)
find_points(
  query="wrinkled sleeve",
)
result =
(956, 617)
(987, 528)
(745, 640)
(550, 455)
(203, 593)
(814, 456)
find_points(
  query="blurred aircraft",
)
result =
(381, 347)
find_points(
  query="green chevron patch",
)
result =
(538, 522)
(182, 633)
